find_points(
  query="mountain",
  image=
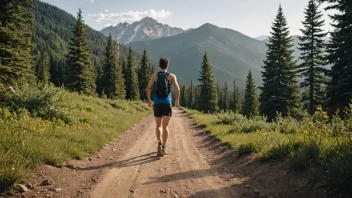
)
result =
(145, 29)
(52, 30)
(232, 54)
(262, 38)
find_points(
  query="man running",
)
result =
(162, 102)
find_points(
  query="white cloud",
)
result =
(106, 10)
(130, 16)
(91, 1)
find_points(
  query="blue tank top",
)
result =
(158, 100)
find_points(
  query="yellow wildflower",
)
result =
(319, 109)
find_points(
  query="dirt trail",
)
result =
(197, 166)
(182, 173)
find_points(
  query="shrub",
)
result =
(287, 125)
(253, 126)
(279, 151)
(306, 156)
(226, 118)
(336, 164)
(245, 149)
(44, 101)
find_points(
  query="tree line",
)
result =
(281, 92)
(118, 77)
(25, 57)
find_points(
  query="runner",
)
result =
(162, 102)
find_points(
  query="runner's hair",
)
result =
(164, 63)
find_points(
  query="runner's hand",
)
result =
(150, 103)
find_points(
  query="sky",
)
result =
(251, 17)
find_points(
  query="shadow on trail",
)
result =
(135, 161)
(177, 114)
(192, 174)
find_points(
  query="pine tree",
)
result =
(120, 92)
(131, 80)
(207, 100)
(99, 81)
(280, 91)
(16, 61)
(312, 47)
(225, 98)
(144, 76)
(80, 74)
(58, 75)
(251, 104)
(183, 96)
(219, 91)
(112, 80)
(196, 95)
(191, 96)
(42, 68)
(152, 69)
(109, 70)
(339, 90)
(123, 67)
(57, 71)
(236, 102)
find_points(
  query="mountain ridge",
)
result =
(231, 53)
(145, 29)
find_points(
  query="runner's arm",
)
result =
(175, 83)
(149, 89)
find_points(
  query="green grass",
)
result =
(29, 139)
(317, 144)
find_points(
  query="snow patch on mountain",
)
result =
(145, 29)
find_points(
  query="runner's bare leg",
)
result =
(165, 124)
(158, 127)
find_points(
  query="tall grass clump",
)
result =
(43, 101)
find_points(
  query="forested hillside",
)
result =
(231, 53)
(51, 32)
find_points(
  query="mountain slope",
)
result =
(232, 54)
(262, 38)
(142, 30)
(52, 30)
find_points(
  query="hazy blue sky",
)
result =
(251, 17)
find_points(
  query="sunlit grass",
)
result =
(89, 123)
(318, 144)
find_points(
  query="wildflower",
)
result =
(305, 132)
(319, 109)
